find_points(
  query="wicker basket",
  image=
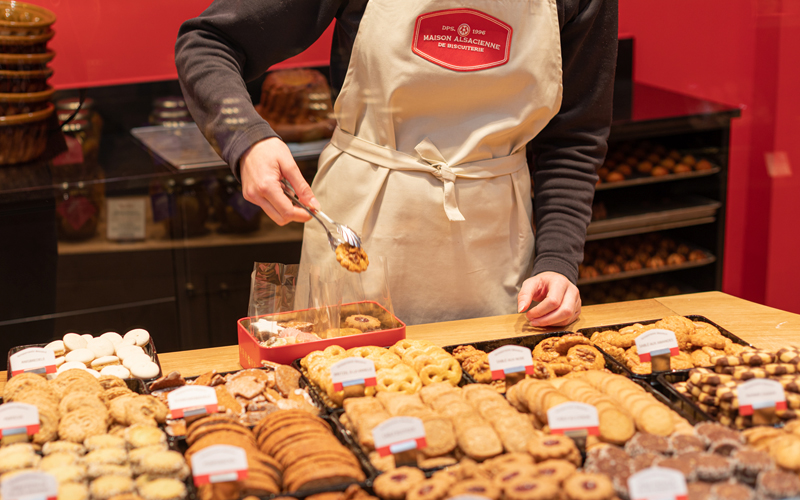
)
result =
(28, 44)
(23, 137)
(24, 19)
(24, 102)
(26, 62)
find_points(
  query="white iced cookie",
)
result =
(73, 341)
(57, 346)
(71, 365)
(87, 337)
(100, 347)
(116, 370)
(136, 359)
(102, 362)
(84, 356)
(60, 360)
(93, 372)
(125, 351)
(113, 337)
(145, 369)
(140, 336)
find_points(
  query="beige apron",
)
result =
(428, 160)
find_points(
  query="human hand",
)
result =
(559, 300)
(262, 167)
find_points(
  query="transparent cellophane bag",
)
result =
(333, 294)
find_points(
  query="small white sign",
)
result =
(573, 416)
(353, 371)
(18, 418)
(192, 400)
(657, 483)
(33, 360)
(655, 342)
(29, 486)
(399, 434)
(510, 359)
(126, 218)
(759, 393)
(219, 463)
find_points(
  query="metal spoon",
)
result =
(347, 235)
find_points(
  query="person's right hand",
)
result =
(262, 167)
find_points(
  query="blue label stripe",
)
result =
(404, 446)
(658, 352)
(353, 382)
(514, 369)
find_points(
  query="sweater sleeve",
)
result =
(571, 147)
(235, 41)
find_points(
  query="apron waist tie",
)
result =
(430, 160)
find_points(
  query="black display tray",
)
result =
(149, 349)
(531, 341)
(325, 402)
(664, 383)
(651, 378)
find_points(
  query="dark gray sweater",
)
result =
(235, 41)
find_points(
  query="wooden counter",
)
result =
(760, 325)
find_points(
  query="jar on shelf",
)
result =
(170, 112)
(65, 108)
(78, 210)
(189, 209)
(236, 215)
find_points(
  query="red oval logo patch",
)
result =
(462, 39)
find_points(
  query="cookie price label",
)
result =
(510, 359)
(759, 393)
(189, 401)
(658, 483)
(353, 371)
(18, 418)
(572, 417)
(656, 342)
(30, 486)
(399, 434)
(33, 360)
(219, 463)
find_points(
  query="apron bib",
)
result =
(428, 160)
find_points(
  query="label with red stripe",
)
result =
(759, 393)
(510, 359)
(353, 371)
(658, 483)
(399, 434)
(29, 486)
(192, 400)
(18, 418)
(219, 463)
(655, 342)
(573, 416)
(33, 360)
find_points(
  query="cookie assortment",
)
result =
(634, 253)
(700, 344)
(282, 333)
(644, 159)
(405, 367)
(246, 395)
(107, 354)
(715, 390)
(552, 357)
(97, 437)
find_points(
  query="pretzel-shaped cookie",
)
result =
(446, 370)
(402, 345)
(400, 378)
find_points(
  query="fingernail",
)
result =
(315, 203)
(519, 307)
(534, 322)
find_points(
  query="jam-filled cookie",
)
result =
(553, 446)
(352, 258)
(362, 322)
(395, 484)
(582, 486)
(531, 489)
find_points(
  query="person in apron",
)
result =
(428, 161)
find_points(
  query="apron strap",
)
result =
(430, 160)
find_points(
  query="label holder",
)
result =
(192, 401)
(658, 347)
(512, 363)
(401, 437)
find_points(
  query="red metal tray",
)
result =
(251, 353)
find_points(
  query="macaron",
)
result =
(116, 370)
(125, 350)
(140, 336)
(73, 341)
(84, 356)
(100, 347)
(145, 369)
(113, 337)
(57, 346)
(71, 365)
(103, 361)
(135, 359)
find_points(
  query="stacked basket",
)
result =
(24, 94)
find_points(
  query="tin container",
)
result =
(252, 353)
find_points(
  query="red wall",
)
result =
(744, 53)
(740, 52)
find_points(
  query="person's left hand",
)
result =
(559, 300)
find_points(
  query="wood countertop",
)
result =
(760, 325)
